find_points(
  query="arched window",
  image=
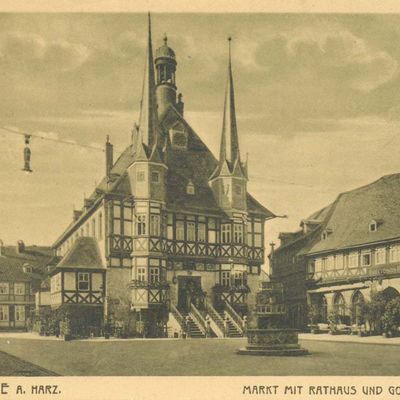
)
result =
(390, 293)
(339, 304)
(324, 309)
(357, 302)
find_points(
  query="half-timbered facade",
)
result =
(21, 271)
(78, 285)
(343, 253)
(176, 226)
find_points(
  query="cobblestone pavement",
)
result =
(14, 366)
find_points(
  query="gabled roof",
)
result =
(347, 219)
(353, 211)
(12, 263)
(197, 164)
(84, 253)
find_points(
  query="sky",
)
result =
(317, 99)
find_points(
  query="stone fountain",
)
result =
(267, 333)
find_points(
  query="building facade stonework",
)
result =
(342, 254)
(178, 233)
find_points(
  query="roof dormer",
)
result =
(374, 225)
(325, 233)
(190, 187)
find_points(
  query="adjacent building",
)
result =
(22, 269)
(177, 231)
(342, 253)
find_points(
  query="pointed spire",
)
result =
(148, 122)
(229, 139)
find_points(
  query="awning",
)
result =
(350, 286)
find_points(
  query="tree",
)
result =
(391, 317)
(373, 311)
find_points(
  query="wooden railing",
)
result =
(196, 315)
(235, 317)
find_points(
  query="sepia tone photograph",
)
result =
(199, 194)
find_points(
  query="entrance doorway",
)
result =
(189, 291)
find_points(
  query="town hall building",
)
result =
(180, 240)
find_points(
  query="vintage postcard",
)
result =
(199, 201)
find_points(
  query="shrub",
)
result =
(391, 316)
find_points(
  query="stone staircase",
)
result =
(194, 330)
(232, 328)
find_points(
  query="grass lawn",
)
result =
(200, 357)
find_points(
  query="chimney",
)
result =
(20, 246)
(109, 157)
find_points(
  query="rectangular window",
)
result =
(238, 233)
(154, 274)
(212, 230)
(141, 225)
(155, 225)
(3, 313)
(239, 278)
(329, 263)
(365, 259)
(83, 281)
(141, 274)
(155, 177)
(180, 230)
(201, 232)
(353, 260)
(380, 256)
(20, 313)
(4, 287)
(225, 278)
(318, 265)
(19, 288)
(225, 233)
(250, 234)
(394, 253)
(339, 261)
(191, 231)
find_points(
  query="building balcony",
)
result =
(146, 294)
(120, 244)
(235, 294)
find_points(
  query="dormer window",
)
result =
(27, 268)
(326, 233)
(374, 225)
(190, 188)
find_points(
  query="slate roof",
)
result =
(84, 253)
(349, 216)
(12, 263)
(196, 163)
(354, 210)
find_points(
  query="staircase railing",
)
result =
(215, 316)
(178, 316)
(198, 318)
(235, 317)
